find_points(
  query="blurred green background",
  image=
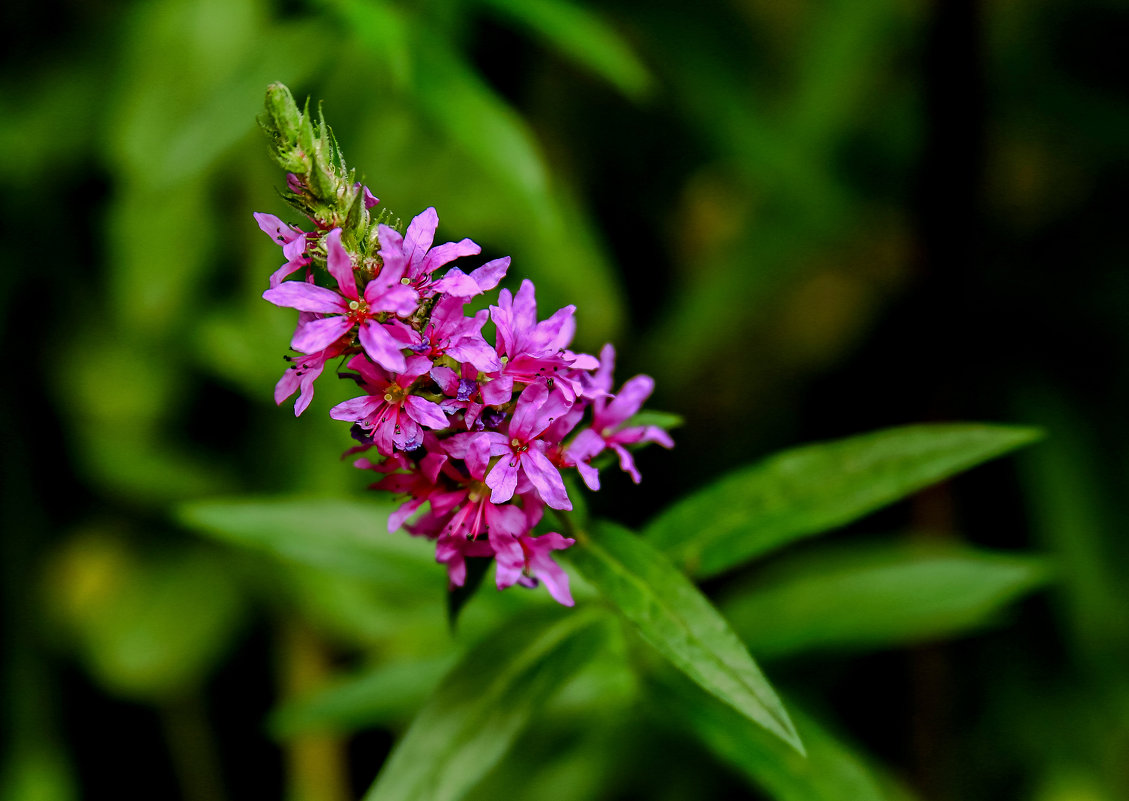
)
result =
(804, 219)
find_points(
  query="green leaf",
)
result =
(373, 697)
(682, 625)
(649, 417)
(484, 703)
(457, 597)
(349, 537)
(879, 595)
(818, 487)
(831, 771)
(580, 34)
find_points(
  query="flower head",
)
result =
(473, 437)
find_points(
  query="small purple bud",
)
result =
(466, 389)
(370, 201)
(492, 418)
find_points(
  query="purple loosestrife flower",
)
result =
(413, 257)
(474, 512)
(404, 476)
(346, 310)
(450, 333)
(454, 551)
(476, 484)
(527, 559)
(471, 392)
(468, 515)
(389, 411)
(522, 452)
(538, 351)
(607, 429)
(293, 241)
(302, 373)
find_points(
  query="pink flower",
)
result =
(467, 393)
(460, 285)
(526, 560)
(450, 333)
(536, 352)
(453, 552)
(413, 258)
(522, 452)
(419, 480)
(474, 512)
(346, 310)
(293, 241)
(389, 410)
(607, 429)
(370, 199)
(302, 373)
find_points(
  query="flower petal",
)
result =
(489, 274)
(544, 567)
(443, 254)
(629, 400)
(286, 270)
(477, 457)
(497, 391)
(391, 249)
(306, 297)
(546, 478)
(380, 346)
(276, 229)
(502, 479)
(420, 235)
(626, 462)
(355, 410)
(425, 412)
(398, 299)
(587, 444)
(319, 334)
(475, 351)
(456, 283)
(525, 418)
(590, 475)
(340, 265)
(447, 379)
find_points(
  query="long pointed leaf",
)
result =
(346, 536)
(375, 696)
(878, 596)
(483, 704)
(674, 617)
(818, 487)
(832, 771)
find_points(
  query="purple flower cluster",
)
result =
(479, 433)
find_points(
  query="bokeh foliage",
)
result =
(805, 219)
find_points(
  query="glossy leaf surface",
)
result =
(673, 616)
(818, 487)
